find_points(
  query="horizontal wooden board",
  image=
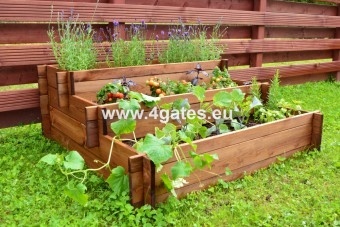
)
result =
(41, 11)
(246, 153)
(12, 55)
(19, 99)
(285, 71)
(13, 75)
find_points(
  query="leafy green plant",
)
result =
(191, 43)
(73, 47)
(274, 92)
(127, 51)
(221, 79)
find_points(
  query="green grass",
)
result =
(300, 191)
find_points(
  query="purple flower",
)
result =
(157, 37)
(143, 22)
(169, 33)
(162, 32)
(115, 23)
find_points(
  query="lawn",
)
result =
(300, 191)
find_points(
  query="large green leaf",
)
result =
(118, 180)
(123, 126)
(131, 104)
(150, 101)
(222, 99)
(74, 161)
(77, 193)
(136, 95)
(199, 92)
(237, 95)
(50, 159)
(181, 169)
(156, 149)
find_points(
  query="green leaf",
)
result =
(183, 136)
(237, 125)
(74, 161)
(224, 184)
(123, 126)
(136, 95)
(181, 104)
(237, 95)
(223, 128)
(181, 169)
(203, 131)
(50, 159)
(167, 181)
(156, 149)
(222, 99)
(131, 104)
(77, 193)
(199, 92)
(150, 101)
(118, 180)
(228, 171)
(166, 106)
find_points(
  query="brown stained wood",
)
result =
(70, 127)
(19, 10)
(266, 73)
(11, 75)
(138, 71)
(19, 117)
(19, 99)
(46, 125)
(296, 56)
(218, 4)
(136, 180)
(248, 152)
(264, 92)
(63, 97)
(300, 8)
(91, 113)
(120, 152)
(149, 182)
(317, 131)
(42, 79)
(51, 76)
(258, 131)
(299, 33)
(44, 106)
(92, 136)
(237, 173)
(304, 78)
(89, 155)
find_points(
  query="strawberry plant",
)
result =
(111, 92)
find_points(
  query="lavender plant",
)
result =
(126, 52)
(75, 50)
(191, 43)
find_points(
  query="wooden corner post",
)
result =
(317, 131)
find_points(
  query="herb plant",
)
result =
(75, 50)
(221, 79)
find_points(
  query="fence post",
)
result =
(258, 32)
(336, 53)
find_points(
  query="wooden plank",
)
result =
(19, 117)
(19, 10)
(246, 153)
(304, 78)
(46, 125)
(149, 182)
(237, 173)
(136, 180)
(70, 127)
(299, 33)
(285, 71)
(296, 56)
(25, 74)
(19, 99)
(317, 131)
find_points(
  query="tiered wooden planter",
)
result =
(72, 118)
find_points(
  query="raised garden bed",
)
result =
(72, 119)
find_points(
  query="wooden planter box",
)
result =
(72, 118)
(241, 151)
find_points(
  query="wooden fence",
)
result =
(259, 32)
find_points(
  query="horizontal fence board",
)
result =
(41, 12)
(296, 56)
(299, 33)
(19, 99)
(11, 55)
(12, 75)
(265, 73)
(300, 8)
(217, 4)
